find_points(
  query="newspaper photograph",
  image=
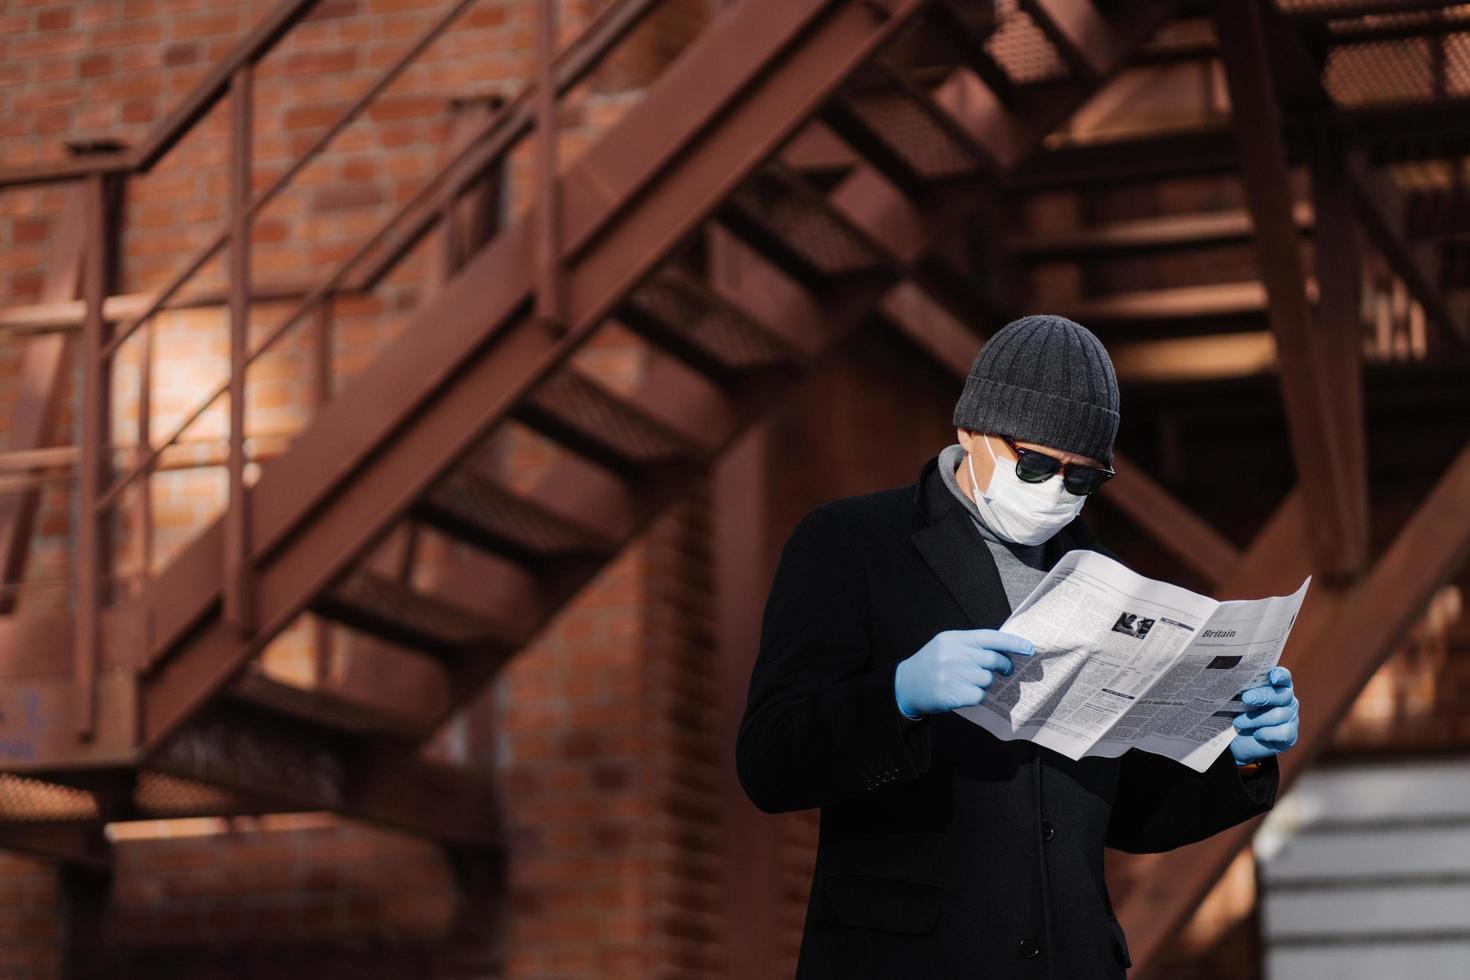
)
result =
(1123, 661)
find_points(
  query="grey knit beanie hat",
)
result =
(1046, 379)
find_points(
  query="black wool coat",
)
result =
(943, 851)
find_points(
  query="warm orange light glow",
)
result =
(134, 830)
(1230, 901)
(1195, 358)
(1404, 698)
(157, 829)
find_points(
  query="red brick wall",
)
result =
(29, 927)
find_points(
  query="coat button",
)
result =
(1047, 830)
(1030, 949)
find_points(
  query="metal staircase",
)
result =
(151, 705)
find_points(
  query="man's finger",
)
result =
(979, 676)
(994, 660)
(1259, 697)
(1279, 675)
(1270, 716)
(1276, 735)
(1246, 745)
(1004, 642)
(990, 660)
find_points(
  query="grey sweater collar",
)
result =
(952, 456)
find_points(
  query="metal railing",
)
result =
(532, 108)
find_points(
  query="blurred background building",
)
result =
(417, 648)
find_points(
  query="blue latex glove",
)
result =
(954, 669)
(1271, 724)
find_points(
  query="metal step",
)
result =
(72, 797)
(276, 748)
(322, 709)
(1160, 233)
(675, 311)
(795, 231)
(374, 603)
(589, 419)
(898, 127)
(159, 796)
(1193, 304)
(472, 508)
(967, 28)
(24, 800)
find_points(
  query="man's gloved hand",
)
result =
(1271, 724)
(953, 669)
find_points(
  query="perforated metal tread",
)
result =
(150, 796)
(795, 231)
(894, 121)
(32, 801)
(672, 309)
(321, 709)
(589, 419)
(369, 601)
(492, 517)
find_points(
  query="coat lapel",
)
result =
(957, 553)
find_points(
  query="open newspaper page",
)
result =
(1106, 638)
(1187, 714)
(1103, 634)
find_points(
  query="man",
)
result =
(945, 851)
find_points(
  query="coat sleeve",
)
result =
(1161, 804)
(821, 723)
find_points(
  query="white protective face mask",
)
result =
(1025, 513)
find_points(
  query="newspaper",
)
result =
(1124, 661)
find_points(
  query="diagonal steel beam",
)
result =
(1338, 263)
(1309, 380)
(1080, 34)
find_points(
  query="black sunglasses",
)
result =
(1033, 467)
